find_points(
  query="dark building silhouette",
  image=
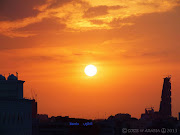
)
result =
(17, 114)
(151, 122)
(66, 126)
(165, 105)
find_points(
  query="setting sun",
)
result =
(90, 70)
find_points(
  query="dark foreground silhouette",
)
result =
(18, 116)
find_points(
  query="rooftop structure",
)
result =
(16, 113)
(11, 88)
(165, 104)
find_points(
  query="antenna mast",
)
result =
(17, 75)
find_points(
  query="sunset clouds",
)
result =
(130, 27)
(80, 15)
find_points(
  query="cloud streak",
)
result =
(80, 15)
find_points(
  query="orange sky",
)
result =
(133, 44)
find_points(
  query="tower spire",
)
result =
(165, 105)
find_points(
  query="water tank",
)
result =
(2, 77)
(12, 77)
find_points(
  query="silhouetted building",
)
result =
(106, 127)
(165, 105)
(12, 88)
(65, 126)
(151, 122)
(150, 114)
(16, 113)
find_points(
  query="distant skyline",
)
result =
(133, 44)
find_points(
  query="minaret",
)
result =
(165, 105)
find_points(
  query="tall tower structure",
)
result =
(165, 105)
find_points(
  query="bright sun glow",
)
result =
(90, 70)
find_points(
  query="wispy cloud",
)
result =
(82, 15)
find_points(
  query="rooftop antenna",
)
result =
(169, 76)
(17, 75)
(32, 93)
(35, 94)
